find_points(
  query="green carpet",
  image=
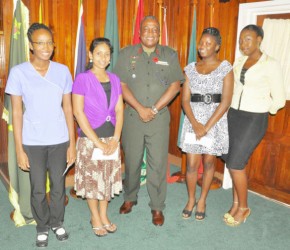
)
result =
(268, 227)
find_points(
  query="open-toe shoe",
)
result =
(199, 216)
(98, 230)
(228, 214)
(234, 223)
(186, 214)
(110, 228)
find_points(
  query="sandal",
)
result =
(60, 233)
(228, 214)
(199, 216)
(99, 229)
(42, 239)
(234, 223)
(186, 214)
(110, 228)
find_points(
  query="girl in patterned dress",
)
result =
(207, 95)
(98, 108)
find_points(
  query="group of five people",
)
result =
(222, 119)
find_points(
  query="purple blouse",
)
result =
(95, 100)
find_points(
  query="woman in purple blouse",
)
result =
(98, 108)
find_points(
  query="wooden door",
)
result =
(269, 167)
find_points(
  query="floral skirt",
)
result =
(96, 179)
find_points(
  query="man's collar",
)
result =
(140, 49)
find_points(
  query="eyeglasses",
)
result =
(42, 44)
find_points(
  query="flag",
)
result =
(191, 58)
(80, 50)
(192, 55)
(139, 17)
(111, 31)
(164, 42)
(136, 40)
(19, 186)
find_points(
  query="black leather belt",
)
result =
(207, 98)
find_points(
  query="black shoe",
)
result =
(42, 239)
(60, 233)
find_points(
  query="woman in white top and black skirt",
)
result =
(258, 90)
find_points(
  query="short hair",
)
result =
(95, 43)
(257, 29)
(37, 26)
(213, 32)
(149, 17)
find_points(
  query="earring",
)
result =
(91, 60)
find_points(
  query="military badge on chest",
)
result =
(132, 66)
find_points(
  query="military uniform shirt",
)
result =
(148, 77)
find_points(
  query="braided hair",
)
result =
(36, 26)
(215, 33)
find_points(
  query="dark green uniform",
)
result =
(148, 77)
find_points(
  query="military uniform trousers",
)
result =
(154, 136)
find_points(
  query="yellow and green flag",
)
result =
(19, 189)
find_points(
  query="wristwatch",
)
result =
(155, 110)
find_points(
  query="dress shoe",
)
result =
(157, 217)
(234, 223)
(127, 207)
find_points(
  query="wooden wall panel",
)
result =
(268, 168)
(62, 16)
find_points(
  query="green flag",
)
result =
(19, 190)
(191, 58)
(111, 31)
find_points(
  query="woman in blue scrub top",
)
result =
(44, 133)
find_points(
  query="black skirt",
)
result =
(246, 130)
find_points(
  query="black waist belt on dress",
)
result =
(207, 98)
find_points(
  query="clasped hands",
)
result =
(199, 130)
(146, 114)
(108, 147)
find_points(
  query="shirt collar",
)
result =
(140, 49)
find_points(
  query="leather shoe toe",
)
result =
(157, 218)
(127, 207)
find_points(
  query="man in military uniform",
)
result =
(150, 76)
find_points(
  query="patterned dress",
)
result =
(96, 179)
(211, 83)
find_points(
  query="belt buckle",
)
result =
(207, 98)
(108, 118)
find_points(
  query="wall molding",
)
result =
(248, 13)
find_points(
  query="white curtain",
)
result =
(276, 43)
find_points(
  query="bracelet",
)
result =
(155, 110)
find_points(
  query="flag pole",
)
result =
(160, 3)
